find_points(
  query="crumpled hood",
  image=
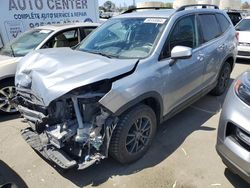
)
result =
(51, 73)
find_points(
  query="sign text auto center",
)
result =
(18, 16)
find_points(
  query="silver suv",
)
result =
(108, 96)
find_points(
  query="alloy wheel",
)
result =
(139, 135)
(6, 95)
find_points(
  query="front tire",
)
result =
(223, 80)
(133, 135)
(7, 92)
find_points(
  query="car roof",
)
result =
(58, 27)
(165, 13)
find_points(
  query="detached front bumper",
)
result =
(49, 152)
(233, 132)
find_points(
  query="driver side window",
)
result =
(184, 34)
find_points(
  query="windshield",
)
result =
(244, 25)
(127, 38)
(25, 43)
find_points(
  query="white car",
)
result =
(243, 28)
(51, 36)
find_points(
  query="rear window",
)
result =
(223, 21)
(209, 26)
(244, 25)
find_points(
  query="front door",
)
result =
(184, 78)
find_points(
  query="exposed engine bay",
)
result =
(74, 130)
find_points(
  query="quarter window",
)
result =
(209, 27)
(183, 34)
(223, 21)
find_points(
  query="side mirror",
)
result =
(180, 52)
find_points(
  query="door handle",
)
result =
(201, 57)
(221, 47)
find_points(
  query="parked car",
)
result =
(110, 94)
(233, 142)
(243, 29)
(51, 36)
(235, 16)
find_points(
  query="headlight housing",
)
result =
(242, 88)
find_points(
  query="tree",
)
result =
(109, 6)
(245, 5)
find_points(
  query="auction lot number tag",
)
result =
(155, 20)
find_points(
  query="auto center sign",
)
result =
(20, 15)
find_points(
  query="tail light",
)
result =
(237, 35)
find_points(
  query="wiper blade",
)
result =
(105, 55)
(12, 51)
(101, 53)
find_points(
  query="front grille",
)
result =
(242, 53)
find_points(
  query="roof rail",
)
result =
(196, 5)
(143, 8)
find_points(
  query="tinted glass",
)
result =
(244, 25)
(224, 23)
(235, 17)
(183, 34)
(209, 27)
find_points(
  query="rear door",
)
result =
(213, 47)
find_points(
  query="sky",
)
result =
(130, 2)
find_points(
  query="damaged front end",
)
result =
(74, 130)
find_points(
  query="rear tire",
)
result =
(223, 80)
(133, 135)
(7, 92)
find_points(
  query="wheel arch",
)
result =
(153, 99)
(6, 78)
(231, 60)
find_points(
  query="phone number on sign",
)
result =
(37, 24)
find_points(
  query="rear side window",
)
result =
(209, 26)
(223, 21)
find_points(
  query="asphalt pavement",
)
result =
(182, 156)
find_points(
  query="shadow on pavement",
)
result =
(10, 177)
(4, 117)
(235, 180)
(171, 134)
